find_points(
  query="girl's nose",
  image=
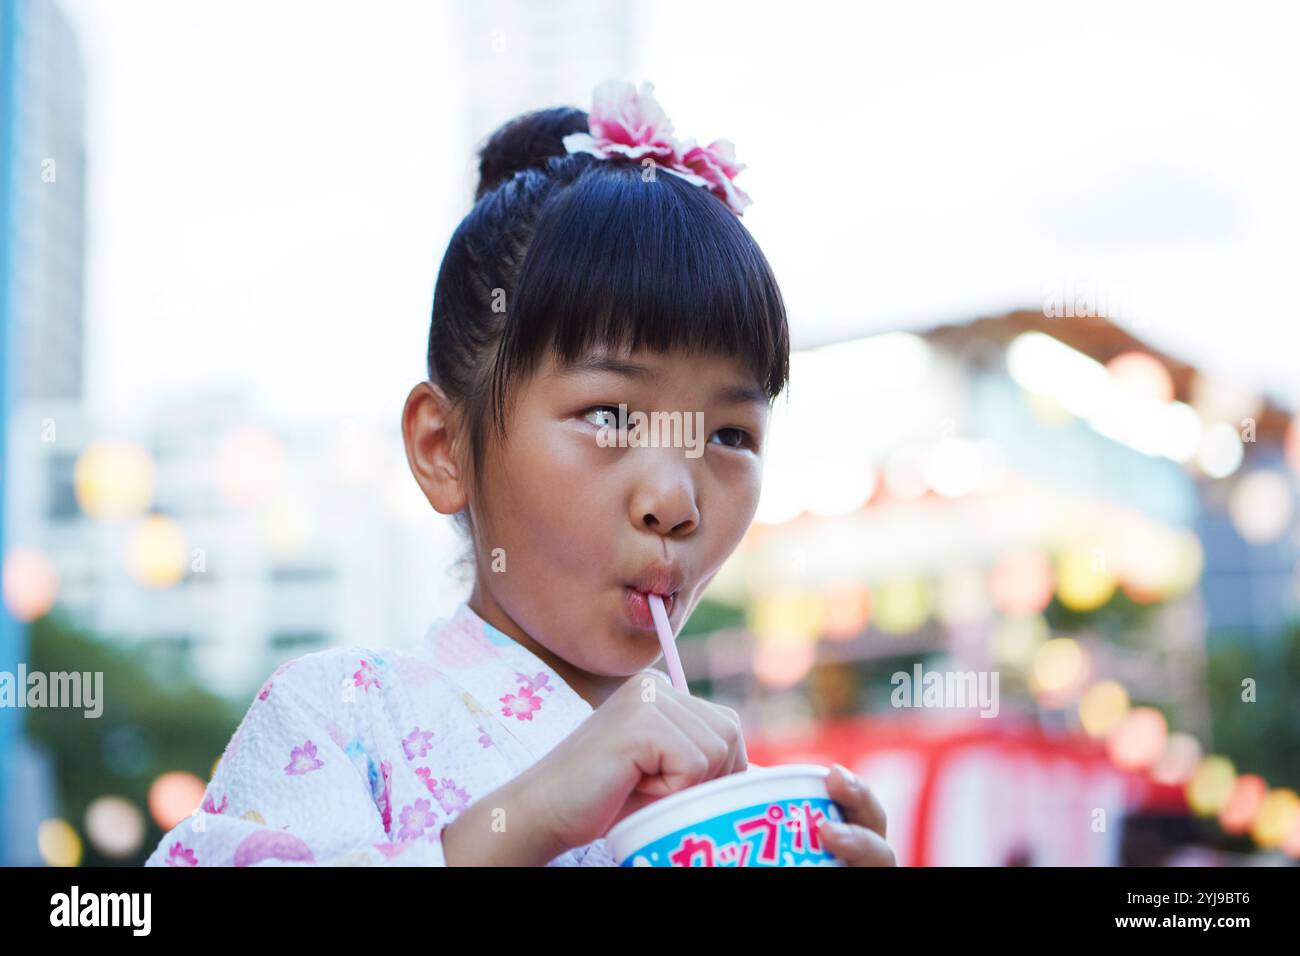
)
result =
(664, 502)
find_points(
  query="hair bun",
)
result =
(526, 141)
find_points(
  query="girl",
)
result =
(602, 268)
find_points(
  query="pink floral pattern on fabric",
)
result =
(365, 678)
(538, 681)
(450, 797)
(181, 856)
(210, 807)
(265, 692)
(272, 845)
(337, 735)
(416, 743)
(522, 704)
(386, 795)
(462, 644)
(364, 803)
(415, 673)
(415, 818)
(303, 760)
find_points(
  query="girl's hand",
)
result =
(644, 742)
(861, 840)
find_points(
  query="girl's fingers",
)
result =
(859, 803)
(712, 744)
(723, 724)
(670, 758)
(856, 845)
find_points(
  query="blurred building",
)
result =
(45, 199)
(224, 547)
(1221, 470)
(42, 254)
(1048, 500)
(513, 60)
(910, 462)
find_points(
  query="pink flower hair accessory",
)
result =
(626, 124)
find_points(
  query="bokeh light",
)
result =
(905, 473)
(1179, 761)
(902, 605)
(1084, 578)
(1276, 818)
(1210, 786)
(250, 466)
(115, 826)
(173, 796)
(1143, 375)
(155, 552)
(1102, 706)
(1139, 740)
(1060, 666)
(58, 843)
(787, 616)
(113, 479)
(1015, 640)
(1291, 444)
(963, 597)
(1291, 841)
(1261, 506)
(784, 663)
(1221, 451)
(31, 583)
(1244, 801)
(1222, 400)
(848, 609)
(1187, 569)
(1021, 583)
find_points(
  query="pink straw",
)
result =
(669, 645)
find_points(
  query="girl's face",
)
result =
(574, 529)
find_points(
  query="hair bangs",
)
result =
(622, 263)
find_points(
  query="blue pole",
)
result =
(12, 633)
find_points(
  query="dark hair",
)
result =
(575, 252)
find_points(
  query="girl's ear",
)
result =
(429, 431)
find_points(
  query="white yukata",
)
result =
(350, 756)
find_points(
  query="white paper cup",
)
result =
(764, 816)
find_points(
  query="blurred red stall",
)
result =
(965, 793)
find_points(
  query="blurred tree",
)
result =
(147, 727)
(709, 616)
(1120, 619)
(1262, 737)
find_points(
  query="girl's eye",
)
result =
(595, 414)
(736, 437)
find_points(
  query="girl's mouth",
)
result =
(638, 608)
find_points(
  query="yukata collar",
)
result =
(521, 704)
